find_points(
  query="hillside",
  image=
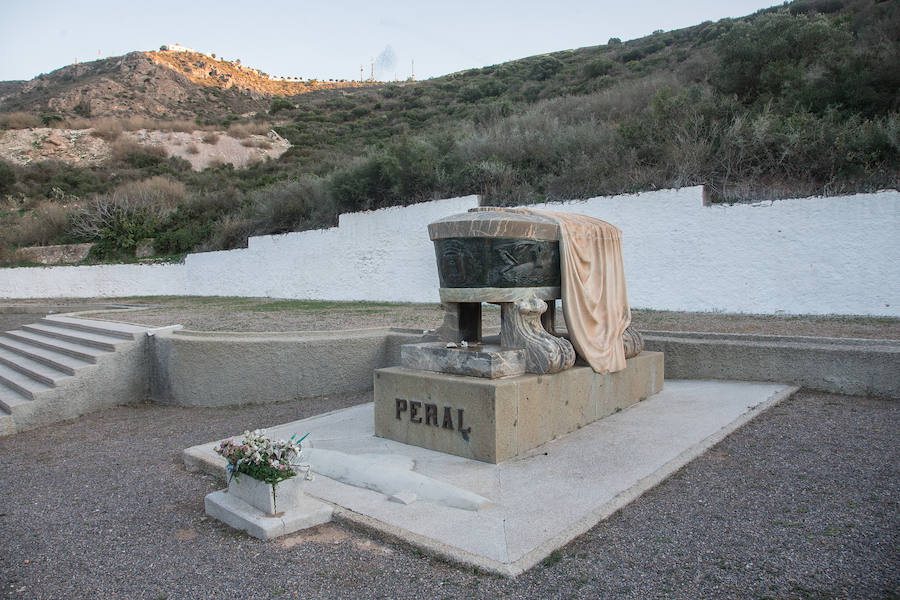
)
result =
(797, 100)
(159, 84)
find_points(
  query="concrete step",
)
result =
(32, 368)
(95, 340)
(109, 328)
(21, 383)
(59, 361)
(9, 400)
(75, 350)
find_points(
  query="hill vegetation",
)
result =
(799, 99)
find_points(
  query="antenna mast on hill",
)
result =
(360, 73)
(412, 70)
(372, 75)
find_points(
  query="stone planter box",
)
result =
(271, 500)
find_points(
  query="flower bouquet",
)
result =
(266, 462)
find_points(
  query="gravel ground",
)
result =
(800, 503)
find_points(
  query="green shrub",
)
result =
(50, 119)
(183, 238)
(280, 104)
(545, 68)
(293, 205)
(598, 67)
(484, 89)
(41, 178)
(7, 178)
(805, 61)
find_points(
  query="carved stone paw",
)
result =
(634, 342)
(521, 328)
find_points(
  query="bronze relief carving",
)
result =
(497, 262)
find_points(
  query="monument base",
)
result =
(490, 361)
(493, 420)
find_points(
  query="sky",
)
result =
(325, 40)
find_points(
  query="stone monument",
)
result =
(492, 398)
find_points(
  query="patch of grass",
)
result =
(297, 305)
(554, 557)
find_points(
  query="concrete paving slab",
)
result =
(541, 500)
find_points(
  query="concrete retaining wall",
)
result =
(843, 366)
(220, 369)
(838, 255)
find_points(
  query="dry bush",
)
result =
(210, 138)
(264, 144)
(124, 150)
(192, 149)
(162, 191)
(134, 123)
(230, 232)
(182, 125)
(120, 220)
(108, 129)
(155, 150)
(243, 130)
(19, 120)
(78, 123)
(216, 161)
(44, 226)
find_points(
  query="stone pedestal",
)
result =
(493, 420)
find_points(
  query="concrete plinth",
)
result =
(494, 420)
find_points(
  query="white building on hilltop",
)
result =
(180, 48)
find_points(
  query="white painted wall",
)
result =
(814, 255)
(837, 255)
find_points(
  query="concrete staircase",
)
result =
(62, 367)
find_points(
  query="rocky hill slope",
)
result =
(792, 101)
(157, 84)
